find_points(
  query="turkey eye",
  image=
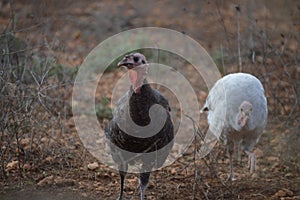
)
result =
(135, 59)
(242, 110)
(143, 62)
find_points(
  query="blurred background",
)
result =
(44, 42)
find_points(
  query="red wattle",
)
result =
(134, 80)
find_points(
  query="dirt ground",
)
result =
(71, 29)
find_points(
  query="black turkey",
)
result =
(237, 108)
(128, 135)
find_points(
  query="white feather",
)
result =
(223, 103)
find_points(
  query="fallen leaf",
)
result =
(93, 166)
(59, 181)
(46, 181)
(12, 165)
(26, 166)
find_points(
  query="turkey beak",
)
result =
(246, 115)
(126, 62)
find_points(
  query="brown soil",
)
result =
(75, 27)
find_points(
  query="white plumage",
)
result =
(237, 113)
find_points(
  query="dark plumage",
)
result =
(128, 148)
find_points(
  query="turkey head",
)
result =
(245, 111)
(137, 68)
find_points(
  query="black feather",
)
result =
(139, 105)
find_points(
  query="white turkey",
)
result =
(237, 114)
(129, 143)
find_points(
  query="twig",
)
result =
(238, 9)
(222, 59)
(196, 175)
(221, 15)
(212, 166)
(250, 29)
(12, 11)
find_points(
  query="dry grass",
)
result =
(42, 43)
